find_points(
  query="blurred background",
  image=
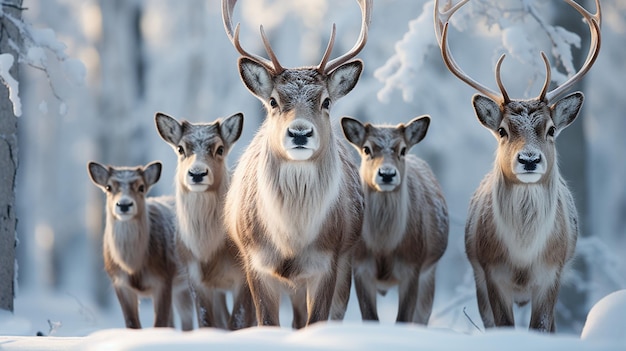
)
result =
(123, 60)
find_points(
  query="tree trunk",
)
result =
(8, 164)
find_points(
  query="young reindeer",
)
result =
(522, 224)
(295, 205)
(139, 244)
(202, 179)
(405, 227)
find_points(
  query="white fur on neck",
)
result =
(294, 212)
(525, 218)
(128, 241)
(385, 218)
(200, 221)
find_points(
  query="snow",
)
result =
(607, 319)
(92, 331)
(6, 62)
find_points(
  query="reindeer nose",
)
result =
(197, 176)
(300, 136)
(124, 207)
(529, 161)
(387, 174)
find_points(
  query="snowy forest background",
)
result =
(139, 57)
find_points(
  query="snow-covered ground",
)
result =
(85, 329)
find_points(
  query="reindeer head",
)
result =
(298, 100)
(525, 129)
(201, 149)
(383, 148)
(125, 187)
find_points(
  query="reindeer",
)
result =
(202, 179)
(139, 244)
(522, 224)
(295, 206)
(405, 227)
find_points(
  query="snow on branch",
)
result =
(517, 22)
(32, 48)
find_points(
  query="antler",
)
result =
(441, 32)
(366, 15)
(593, 21)
(227, 13)
(324, 67)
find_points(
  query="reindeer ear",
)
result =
(565, 111)
(416, 130)
(256, 78)
(487, 111)
(152, 173)
(98, 173)
(231, 127)
(169, 129)
(344, 78)
(354, 131)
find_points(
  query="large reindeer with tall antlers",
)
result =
(295, 204)
(522, 224)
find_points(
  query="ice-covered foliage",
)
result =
(33, 47)
(523, 27)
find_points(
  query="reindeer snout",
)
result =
(197, 176)
(529, 161)
(124, 207)
(300, 137)
(387, 174)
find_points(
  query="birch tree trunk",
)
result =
(8, 163)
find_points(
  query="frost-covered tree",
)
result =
(9, 110)
(20, 43)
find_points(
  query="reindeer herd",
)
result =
(299, 217)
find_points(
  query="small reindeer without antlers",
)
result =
(295, 204)
(522, 224)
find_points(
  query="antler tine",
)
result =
(439, 23)
(505, 95)
(546, 84)
(458, 72)
(329, 48)
(366, 15)
(268, 48)
(594, 22)
(227, 13)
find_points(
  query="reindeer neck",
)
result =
(128, 241)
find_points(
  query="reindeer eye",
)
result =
(141, 188)
(403, 151)
(367, 151)
(551, 131)
(181, 150)
(326, 104)
(220, 150)
(108, 188)
(502, 132)
(273, 103)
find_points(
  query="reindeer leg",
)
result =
(243, 309)
(501, 307)
(425, 295)
(266, 298)
(365, 287)
(407, 297)
(543, 305)
(162, 299)
(319, 296)
(183, 303)
(130, 306)
(341, 295)
(298, 303)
